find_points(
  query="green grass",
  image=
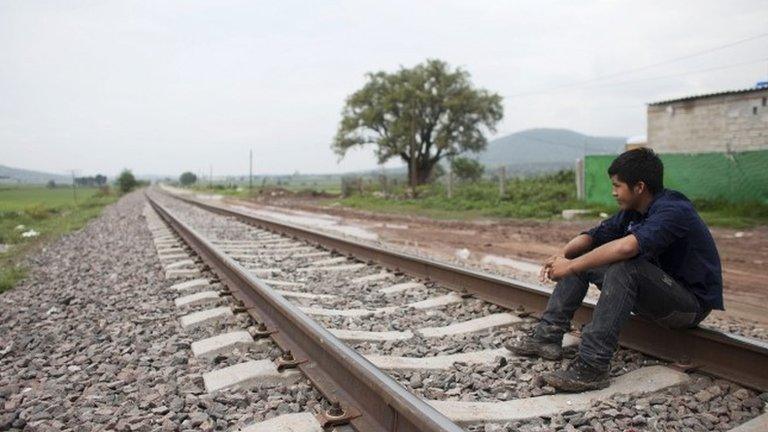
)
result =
(305, 188)
(50, 212)
(533, 198)
(732, 215)
(543, 197)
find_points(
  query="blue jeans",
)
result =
(635, 285)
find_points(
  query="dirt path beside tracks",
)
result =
(744, 253)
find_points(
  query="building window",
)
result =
(754, 110)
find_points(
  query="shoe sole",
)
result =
(532, 353)
(574, 386)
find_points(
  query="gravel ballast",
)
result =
(91, 341)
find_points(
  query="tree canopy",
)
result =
(419, 115)
(126, 181)
(187, 178)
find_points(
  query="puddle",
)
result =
(525, 266)
(325, 222)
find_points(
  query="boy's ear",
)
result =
(639, 187)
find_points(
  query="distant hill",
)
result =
(541, 150)
(18, 175)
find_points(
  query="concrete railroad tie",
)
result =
(173, 257)
(205, 316)
(196, 299)
(338, 268)
(430, 303)
(298, 422)
(474, 325)
(224, 343)
(181, 273)
(190, 284)
(296, 294)
(180, 264)
(253, 373)
(446, 362)
(757, 424)
(324, 262)
(641, 381)
(372, 278)
(406, 286)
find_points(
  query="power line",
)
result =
(730, 66)
(579, 145)
(640, 68)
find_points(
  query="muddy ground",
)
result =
(744, 253)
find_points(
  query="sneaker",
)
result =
(533, 346)
(578, 377)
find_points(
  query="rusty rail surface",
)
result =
(724, 355)
(374, 401)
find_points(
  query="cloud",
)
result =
(166, 87)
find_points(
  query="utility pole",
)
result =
(383, 179)
(210, 176)
(450, 177)
(502, 181)
(74, 188)
(414, 174)
(250, 173)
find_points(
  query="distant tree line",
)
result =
(97, 180)
(92, 181)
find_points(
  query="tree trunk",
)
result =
(423, 175)
(419, 171)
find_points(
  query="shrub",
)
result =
(37, 211)
(187, 178)
(126, 181)
(467, 169)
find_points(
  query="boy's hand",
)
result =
(546, 266)
(560, 268)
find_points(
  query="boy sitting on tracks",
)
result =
(655, 257)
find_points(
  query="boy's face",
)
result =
(627, 197)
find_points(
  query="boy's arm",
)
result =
(578, 246)
(574, 248)
(611, 252)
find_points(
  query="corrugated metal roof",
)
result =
(708, 95)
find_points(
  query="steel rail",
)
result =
(720, 354)
(339, 372)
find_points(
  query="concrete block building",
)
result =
(732, 121)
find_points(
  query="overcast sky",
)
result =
(163, 87)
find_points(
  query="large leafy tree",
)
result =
(419, 115)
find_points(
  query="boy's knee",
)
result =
(623, 269)
(627, 266)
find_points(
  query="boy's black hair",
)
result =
(640, 164)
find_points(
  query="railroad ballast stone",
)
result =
(91, 341)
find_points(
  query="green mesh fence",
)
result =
(735, 177)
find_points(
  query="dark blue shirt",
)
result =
(671, 235)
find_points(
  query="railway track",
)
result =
(395, 342)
